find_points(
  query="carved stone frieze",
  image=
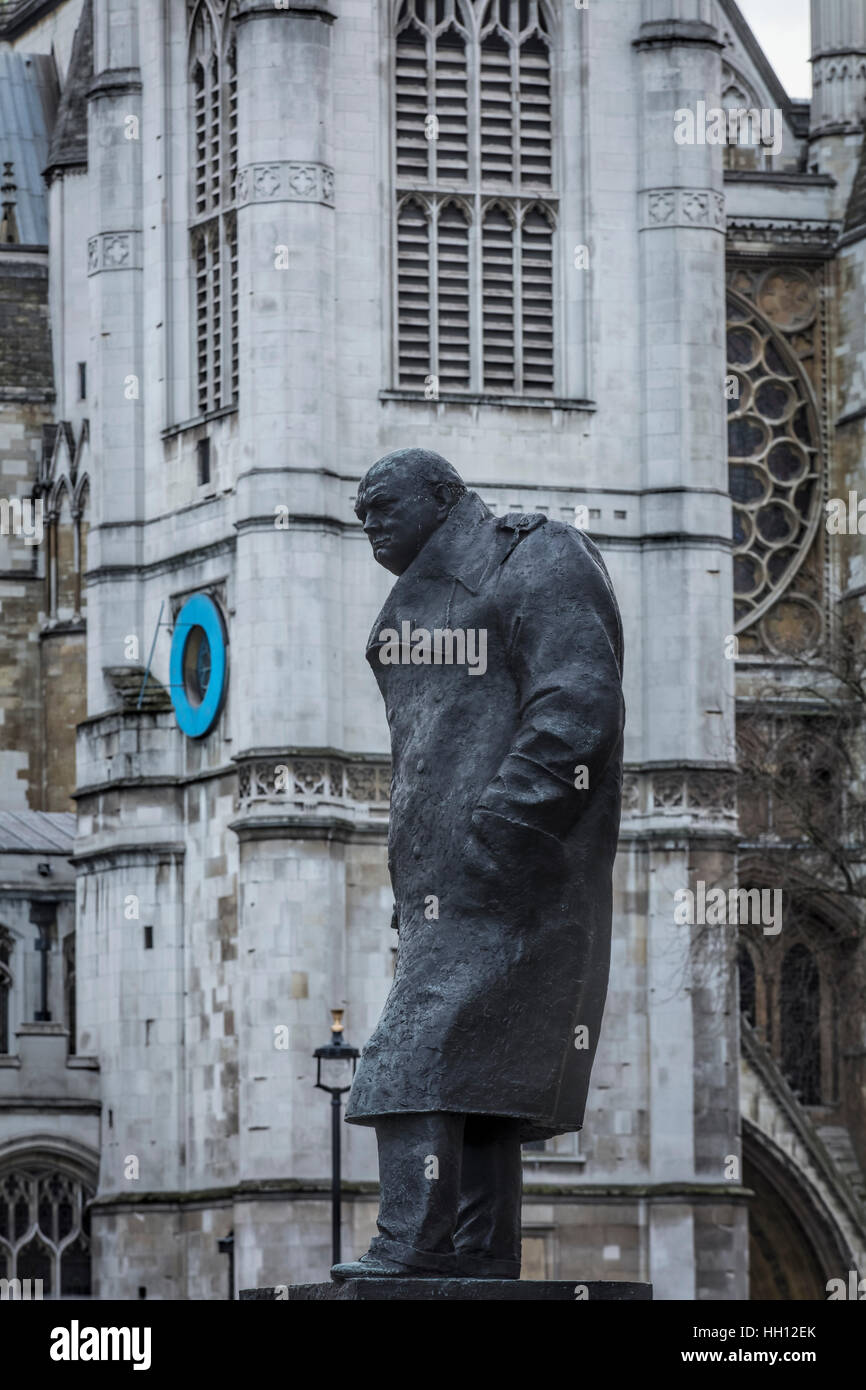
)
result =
(682, 207)
(678, 792)
(114, 251)
(311, 785)
(285, 181)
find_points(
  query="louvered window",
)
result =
(450, 145)
(475, 205)
(497, 142)
(413, 291)
(413, 151)
(233, 125)
(232, 238)
(497, 269)
(536, 298)
(201, 109)
(452, 296)
(213, 231)
(534, 111)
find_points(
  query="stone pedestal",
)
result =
(456, 1291)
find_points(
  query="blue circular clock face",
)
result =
(199, 665)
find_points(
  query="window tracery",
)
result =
(45, 1228)
(213, 229)
(474, 178)
(775, 456)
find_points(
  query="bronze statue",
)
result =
(499, 656)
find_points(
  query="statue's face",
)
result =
(399, 513)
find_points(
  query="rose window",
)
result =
(773, 451)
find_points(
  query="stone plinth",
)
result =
(456, 1291)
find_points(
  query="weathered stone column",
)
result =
(114, 263)
(129, 916)
(688, 714)
(838, 69)
(838, 108)
(286, 324)
(287, 626)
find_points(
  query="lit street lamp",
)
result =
(331, 1062)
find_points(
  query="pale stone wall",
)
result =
(53, 33)
(269, 908)
(285, 915)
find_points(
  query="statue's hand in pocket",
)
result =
(503, 860)
(482, 867)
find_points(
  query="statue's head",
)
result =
(402, 500)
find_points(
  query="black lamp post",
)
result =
(335, 1056)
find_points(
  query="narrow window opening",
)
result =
(202, 450)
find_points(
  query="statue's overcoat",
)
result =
(505, 808)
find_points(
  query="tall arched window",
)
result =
(475, 206)
(5, 988)
(45, 1228)
(774, 389)
(69, 993)
(746, 972)
(800, 1007)
(745, 148)
(213, 229)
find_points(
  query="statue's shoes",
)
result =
(375, 1267)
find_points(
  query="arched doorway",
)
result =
(794, 1246)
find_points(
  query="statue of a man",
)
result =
(499, 657)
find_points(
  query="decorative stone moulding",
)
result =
(839, 86)
(785, 232)
(310, 785)
(285, 181)
(361, 789)
(114, 251)
(682, 207)
(709, 792)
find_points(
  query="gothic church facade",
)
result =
(250, 247)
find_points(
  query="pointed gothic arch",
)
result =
(6, 945)
(213, 141)
(473, 112)
(45, 1221)
(795, 1244)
